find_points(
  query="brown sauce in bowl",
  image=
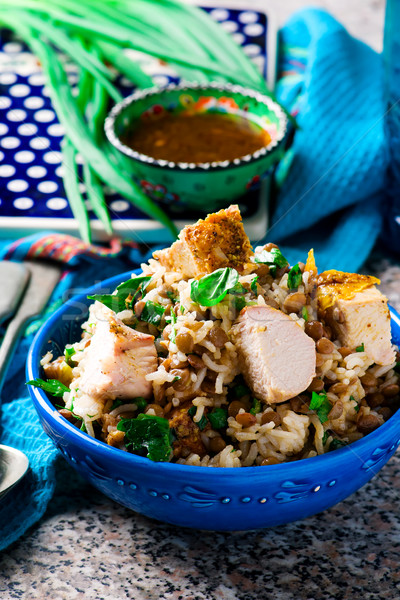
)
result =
(197, 138)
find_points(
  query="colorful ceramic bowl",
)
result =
(204, 498)
(207, 186)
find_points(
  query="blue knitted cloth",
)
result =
(331, 200)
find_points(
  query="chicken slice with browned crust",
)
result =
(212, 243)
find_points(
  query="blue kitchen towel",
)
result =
(331, 200)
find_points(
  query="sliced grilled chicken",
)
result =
(212, 243)
(278, 358)
(116, 362)
(357, 312)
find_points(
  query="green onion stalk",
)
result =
(93, 35)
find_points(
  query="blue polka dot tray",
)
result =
(32, 196)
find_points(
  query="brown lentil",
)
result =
(184, 375)
(235, 406)
(218, 337)
(184, 342)
(325, 346)
(67, 414)
(246, 419)
(269, 417)
(391, 390)
(336, 410)
(295, 302)
(375, 399)
(157, 409)
(271, 460)
(196, 361)
(367, 423)
(327, 332)
(385, 412)
(319, 360)
(344, 351)
(217, 444)
(338, 388)
(314, 329)
(262, 270)
(297, 404)
(317, 385)
(369, 380)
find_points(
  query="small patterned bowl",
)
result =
(199, 497)
(189, 183)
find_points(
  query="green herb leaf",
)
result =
(83, 427)
(238, 289)
(336, 443)
(274, 259)
(360, 348)
(203, 421)
(171, 296)
(147, 434)
(239, 303)
(212, 289)
(240, 390)
(141, 403)
(325, 437)
(321, 405)
(218, 418)
(256, 408)
(152, 313)
(68, 353)
(125, 294)
(253, 285)
(294, 277)
(51, 386)
(304, 313)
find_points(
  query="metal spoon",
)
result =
(42, 279)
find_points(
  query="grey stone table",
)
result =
(88, 547)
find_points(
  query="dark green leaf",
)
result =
(125, 294)
(325, 437)
(171, 296)
(152, 313)
(69, 352)
(256, 408)
(294, 277)
(274, 259)
(240, 390)
(360, 348)
(203, 421)
(238, 289)
(336, 443)
(141, 403)
(218, 418)
(253, 285)
(321, 405)
(239, 303)
(173, 320)
(51, 386)
(149, 434)
(212, 289)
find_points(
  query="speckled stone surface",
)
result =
(88, 547)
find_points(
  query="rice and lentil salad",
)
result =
(202, 408)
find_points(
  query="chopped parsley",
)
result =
(148, 435)
(218, 418)
(253, 285)
(321, 405)
(173, 320)
(240, 390)
(125, 294)
(152, 313)
(360, 348)
(51, 386)
(256, 408)
(171, 296)
(68, 353)
(274, 259)
(203, 421)
(304, 313)
(325, 437)
(294, 277)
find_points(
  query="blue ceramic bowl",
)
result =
(204, 498)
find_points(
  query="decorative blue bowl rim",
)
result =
(63, 427)
(109, 126)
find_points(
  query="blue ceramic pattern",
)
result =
(199, 497)
(30, 135)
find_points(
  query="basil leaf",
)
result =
(256, 408)
(152, 313)
(274, 259)
(304, 313)
(241, 390)
(124, 295)
(321, 405)
(212, 289)
(51, 386)
(360, 348)
(294, 277)
(218, 418)
(239, 303)
(149, 435)
(336, 443)
(238, 289)
(253, 285)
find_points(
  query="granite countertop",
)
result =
(89, 547)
